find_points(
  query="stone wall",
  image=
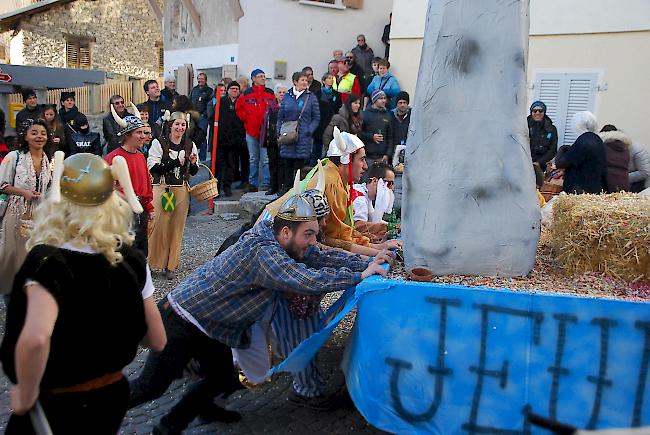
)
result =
(125, 33)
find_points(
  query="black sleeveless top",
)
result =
(101, 313)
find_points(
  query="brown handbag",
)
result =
(289, 129)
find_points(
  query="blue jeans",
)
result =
(259, 163)
(203, 147)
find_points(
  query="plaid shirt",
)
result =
(232, 291)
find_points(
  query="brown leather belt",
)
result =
(93, 384)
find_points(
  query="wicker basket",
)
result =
(26, 222)
(207, 189)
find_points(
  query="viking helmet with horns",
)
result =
(87, 180)
(297, 208)
(129, 122)
(317, 197)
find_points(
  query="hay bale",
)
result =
(603, 233)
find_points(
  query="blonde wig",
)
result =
(104, 228)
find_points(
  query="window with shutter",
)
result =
(565, 94)
(78, 54)
(161, 57)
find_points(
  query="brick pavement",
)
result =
(264, 409)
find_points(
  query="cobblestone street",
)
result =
(264, 409)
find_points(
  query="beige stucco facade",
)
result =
(622, 98)
(583, 38)
(256, 34)
(124, 35)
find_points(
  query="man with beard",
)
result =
(212, 310)
(345, 165)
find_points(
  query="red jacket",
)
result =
(139, 173)
(251, 107)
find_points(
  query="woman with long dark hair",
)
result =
(55, 127)
(348, 120)
(25, 176)
(172, 161)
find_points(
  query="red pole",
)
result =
(215, 131)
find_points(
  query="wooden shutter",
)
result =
(161, 57)
(84, 56)
(353, 4)
(549, 93)
(565, 94)
(72, 54)
(78, 53)
(579, 98)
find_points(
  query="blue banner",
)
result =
(427, 358)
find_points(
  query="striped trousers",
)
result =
(289, 333)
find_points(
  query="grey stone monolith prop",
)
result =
(470, 205)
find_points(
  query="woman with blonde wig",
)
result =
(81, 303)
(172, 161)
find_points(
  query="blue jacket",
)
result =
(290, 111)
(387, 83)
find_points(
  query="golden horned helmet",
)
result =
(297, 208)
(316, 196)
(171, 117)
(87, 180)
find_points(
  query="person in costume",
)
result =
(293, 319)
(132, 136)
(172, 161)
(25, 176)
(345, 166)
(212, 310)
(81, 303)
(374, 198)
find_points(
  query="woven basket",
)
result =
(26, 223)
(207, 189)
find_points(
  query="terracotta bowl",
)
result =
(420, 274)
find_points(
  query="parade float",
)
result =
(511, 327)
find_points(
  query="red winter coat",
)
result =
(251, 107)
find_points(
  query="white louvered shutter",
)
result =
(565, 94)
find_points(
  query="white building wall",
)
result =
(303, 34)
(213, 56)
(557, 17)
(16, 49)
(608, 36)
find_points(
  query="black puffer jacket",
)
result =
(543, 140)
(231, 129)
(377, 121)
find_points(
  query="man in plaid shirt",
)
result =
(214, 307)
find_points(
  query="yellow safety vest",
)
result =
(347, 81)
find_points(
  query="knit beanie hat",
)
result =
(65, 95)
(403, 95)
(255, 72)
(233, 84)
(376, 95)
(29, 92)
(537, 104)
